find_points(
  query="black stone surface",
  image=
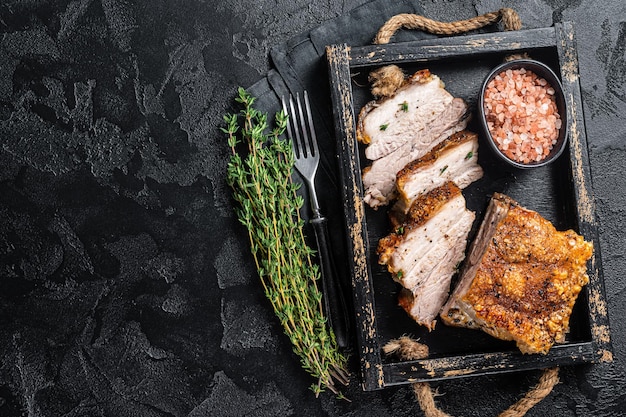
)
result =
(126, 285)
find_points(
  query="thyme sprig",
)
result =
(269, 208)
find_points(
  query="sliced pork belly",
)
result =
(455, 159)
(379, 179)
(388, 123)
(521, 278)
(425, 248)
(423, 303)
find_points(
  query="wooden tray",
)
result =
(561, 192)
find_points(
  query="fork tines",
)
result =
(304, 145)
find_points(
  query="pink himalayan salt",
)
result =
(522, 115)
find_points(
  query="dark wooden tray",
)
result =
(561, 192)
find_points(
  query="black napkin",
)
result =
(299, 63)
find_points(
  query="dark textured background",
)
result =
(126, 288)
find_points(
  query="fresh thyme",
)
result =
(270, 209)
(384, 126)
(404, 106)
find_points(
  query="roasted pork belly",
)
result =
(455, 159)
(379, 179)
(387, 124)
(521, 278)
(423, 251)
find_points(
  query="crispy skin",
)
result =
(526, 282)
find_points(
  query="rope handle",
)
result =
(408, 349)
(386, 80)
(509, 18)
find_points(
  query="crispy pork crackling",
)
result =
(521, 278)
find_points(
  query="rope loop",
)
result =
(406, 348)
(386, 80)
(509, 18)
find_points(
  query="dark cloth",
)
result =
(299, 63)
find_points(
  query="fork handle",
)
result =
(332, 292)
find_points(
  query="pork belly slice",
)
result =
(379, 179)
(388, 123)
(423, 251)
(521, 278)
(455, 159)
(423, 303)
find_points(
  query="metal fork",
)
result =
(301, 133)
